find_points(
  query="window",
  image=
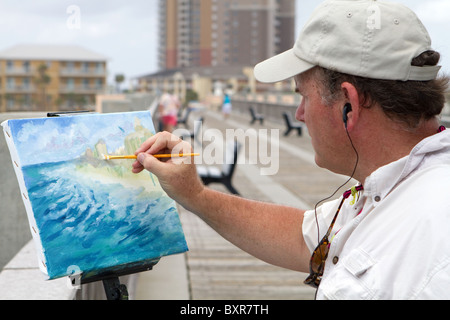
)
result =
(99, 67)
(70, 84)
(70, 66)
(10, 83)
(26, 66)
(10, 103)
(98, 84)
(85, 67)
(26, 83)
(85, 83)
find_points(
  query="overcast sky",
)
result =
(127, 31)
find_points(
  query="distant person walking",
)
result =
(168, 107)
(226, 106)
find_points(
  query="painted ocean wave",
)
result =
(85, 222)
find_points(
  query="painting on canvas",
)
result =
(87, 213)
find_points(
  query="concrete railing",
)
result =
(14, 227)
(271, 106)
(21, 279)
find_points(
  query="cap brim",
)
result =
(281, 67)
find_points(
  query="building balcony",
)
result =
(18, 71)
(20, 88)
(82, 89)
(67, 72)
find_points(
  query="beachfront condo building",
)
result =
(50, 78)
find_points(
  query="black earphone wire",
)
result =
(334, 193)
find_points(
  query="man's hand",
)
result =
(177, 176)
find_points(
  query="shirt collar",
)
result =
(381, 182)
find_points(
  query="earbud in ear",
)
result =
(347, 109)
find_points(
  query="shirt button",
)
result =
(377, 199)
(335, 260)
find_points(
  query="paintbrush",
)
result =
(158, 156)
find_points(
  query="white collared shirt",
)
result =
(392, 243)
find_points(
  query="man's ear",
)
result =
(352, 107)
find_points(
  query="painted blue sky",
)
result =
(66, 138)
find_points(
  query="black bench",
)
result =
(195, 135)
(184, 120)
(256, 116)
(211, 174)
(291, 125)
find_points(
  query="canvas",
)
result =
(86, 213)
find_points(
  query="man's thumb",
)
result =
(149, 162)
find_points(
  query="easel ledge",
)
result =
(66, 113)
(114, 290)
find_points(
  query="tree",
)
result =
(119, 79)
(42, 81)
(191, 95)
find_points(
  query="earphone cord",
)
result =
(334, 193)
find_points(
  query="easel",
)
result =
(114, 290)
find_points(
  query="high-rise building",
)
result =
(196, 33)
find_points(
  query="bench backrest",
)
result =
(184, 119)
(198, 126)
(287, 117)
(230, 158)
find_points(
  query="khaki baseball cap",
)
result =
(366, 38)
